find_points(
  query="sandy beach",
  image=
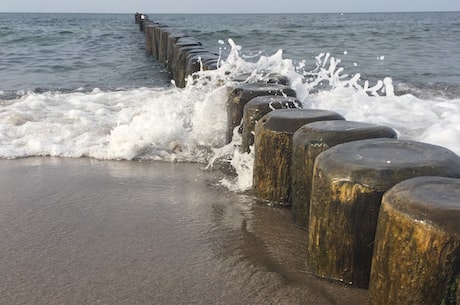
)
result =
(82, 231)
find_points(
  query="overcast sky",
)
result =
(227, 6)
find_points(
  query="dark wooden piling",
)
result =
(256, 108)
(273, 148)
(149, 44)
(242, 94)
(156, 40)
(173, 38)
(165, 33)
(180, 59)
(199, 60)
(417, 244)
(348, 184)
(312, 139)
(343, 223)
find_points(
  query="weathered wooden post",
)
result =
(154, 36)
(211, 62)
(417, 245)
(242, 94)
(273, 149)
(196, 61)
(165, 33)
(148, 30)
(178, 61)
(172, 40)
(256, 108)
(349, 181)
(312, 139)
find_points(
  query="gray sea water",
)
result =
(71, 51)
(44, 52)
(419, 49)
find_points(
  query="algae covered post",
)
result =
(417, 245)
(348, 184)
(273, 149)
(311, 140)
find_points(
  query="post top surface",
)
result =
(428, 199)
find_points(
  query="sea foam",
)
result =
(188, 125)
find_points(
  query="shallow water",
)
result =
(80, 85)
(80, 231)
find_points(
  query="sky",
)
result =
(227, 6)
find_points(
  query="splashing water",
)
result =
(325, 87)
(188, 125)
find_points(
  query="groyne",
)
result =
(380, 213)
(180, 54)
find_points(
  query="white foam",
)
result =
(173, 124)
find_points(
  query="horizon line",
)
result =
(233, 13)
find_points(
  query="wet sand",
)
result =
(81, 231)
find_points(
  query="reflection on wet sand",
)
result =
(80, 231)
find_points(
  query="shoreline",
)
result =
(122, 232)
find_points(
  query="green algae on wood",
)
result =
(417, 244)
(311, 140)
(256, 108)
(349, 181)
(245, 92)
(273, 149)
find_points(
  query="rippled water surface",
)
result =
(418, 48)
(71, 51)
(79, 231)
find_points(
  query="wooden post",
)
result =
(164, 43)
(242, 94)
(155, 36)
(417, 244)
(256, 108)
(172, 40)
(198, 59)
(178, 61)
(149, 29)
(348, 184)
(312, 139)
(273, 148)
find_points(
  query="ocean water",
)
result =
(80, 85)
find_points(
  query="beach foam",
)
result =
(172, 124)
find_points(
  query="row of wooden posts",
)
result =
(380, 212)
(182, 55)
